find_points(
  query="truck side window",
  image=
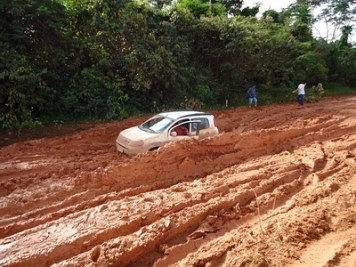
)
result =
(204, 123)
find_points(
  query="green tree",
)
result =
(272, 14)
(302, 19)
(250, 11)
(341, 14)
(96, 89)
(31, 34)
(160, 3)
(108, 59)
(232, 7)
(201, 8)
(341, 62)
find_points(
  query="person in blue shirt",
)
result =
(252, 96)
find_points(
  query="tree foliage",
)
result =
(341, 14)
(100, 59)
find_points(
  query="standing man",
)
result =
(301, 93)
(252, 96)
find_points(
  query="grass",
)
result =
(338, 90)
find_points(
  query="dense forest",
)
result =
(107, 59)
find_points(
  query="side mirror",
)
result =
(173, 133)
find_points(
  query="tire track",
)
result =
(257, 194)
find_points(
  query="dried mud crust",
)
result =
(277, 187)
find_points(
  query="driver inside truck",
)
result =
(181, 130)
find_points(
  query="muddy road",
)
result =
(277, 187)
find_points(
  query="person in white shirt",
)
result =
(301, 93)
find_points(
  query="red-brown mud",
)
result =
(277, 187)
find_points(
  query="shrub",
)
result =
(315, 93)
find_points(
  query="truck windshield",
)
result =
(156, 124)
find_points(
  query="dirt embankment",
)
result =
(277, 187)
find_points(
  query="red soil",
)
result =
(277, 187)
